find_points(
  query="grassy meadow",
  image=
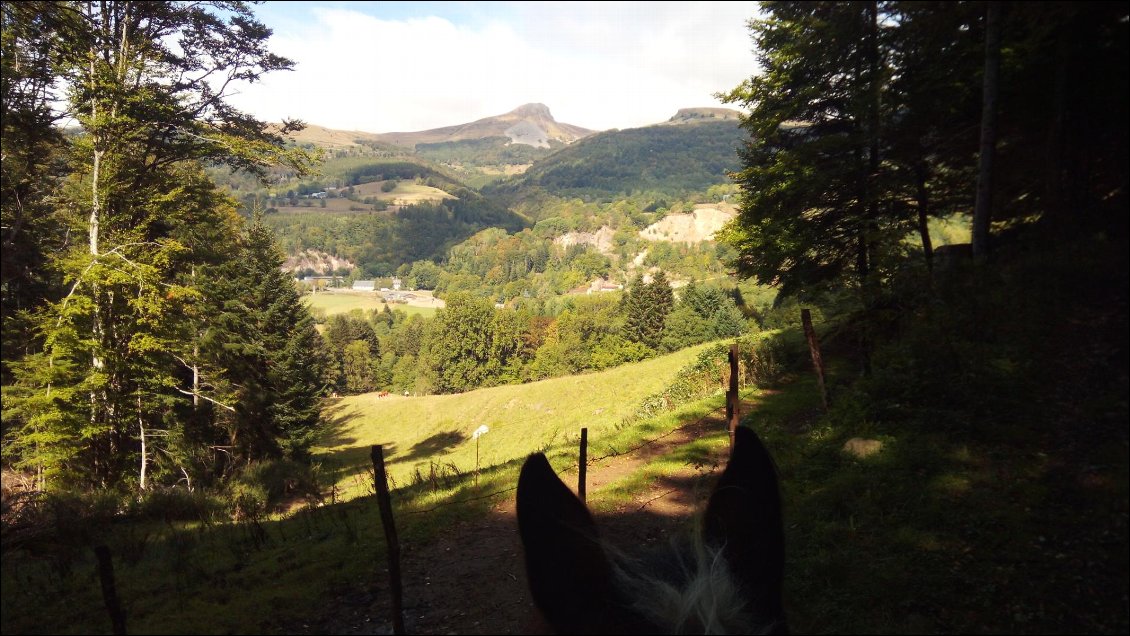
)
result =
(342, 303)
(942, 531)
(419, 432)
(279, 574)
(405, 193)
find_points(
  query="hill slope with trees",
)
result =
(665, 159)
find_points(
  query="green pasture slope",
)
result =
(333, 303)
(418, 432)
(282, 574)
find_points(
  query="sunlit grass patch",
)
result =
(420, 432)
(341, 303)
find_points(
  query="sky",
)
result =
(406, 66)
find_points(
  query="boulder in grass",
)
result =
(862, 448)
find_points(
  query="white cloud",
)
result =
(599, 65)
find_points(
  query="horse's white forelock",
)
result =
(707, 601)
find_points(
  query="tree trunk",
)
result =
(144, 454)
(873, 123)
(195, 359)
(982, 209)
(923, 202)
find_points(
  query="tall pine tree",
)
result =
(814, 184)
(269, 361)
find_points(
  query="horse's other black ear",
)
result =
(744, 519)
(569, 573)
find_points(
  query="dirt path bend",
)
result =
(472, 579)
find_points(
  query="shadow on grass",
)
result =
(943, 531)
(337, 417)
(937, 533)
(427, 447)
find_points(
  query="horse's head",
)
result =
(729, 580)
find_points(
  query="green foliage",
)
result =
(116, 334)
(684, 327)
(268, 357)
(458, 346)
(31, 228)
(587, 334)
(264, 485)
(356, 349)
(380, 243)
(391, 171)
(809, 212)
(357, 367)
(863, 123)
(178, 504)
(709, 373)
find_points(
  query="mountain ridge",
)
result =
(530, 124)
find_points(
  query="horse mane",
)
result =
(727, 578)
(703, 598)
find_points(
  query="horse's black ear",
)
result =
(744, 519)
(569, 573)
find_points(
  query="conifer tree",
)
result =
(645, 308)
(661, 300)
(261, 338)
(634, 307)
(814, 185)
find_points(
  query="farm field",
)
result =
(420, 431)
(345, 302)
(405, 193)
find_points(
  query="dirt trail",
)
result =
(472, 579)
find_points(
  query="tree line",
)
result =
(472, 343)
(149, 336)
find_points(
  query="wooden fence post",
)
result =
(817, 359)
(582, 464)
(384, 502)
(109, 589)
(732, 403)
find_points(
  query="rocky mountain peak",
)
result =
(538, 111)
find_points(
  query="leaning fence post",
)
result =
(817, 359)
(109, 589)
(732, 405)
(582, 464)
(384, 502)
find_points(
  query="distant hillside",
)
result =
(693, 115)
(667, 159)
(486, 151)
(531, 125)
(334, 139)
